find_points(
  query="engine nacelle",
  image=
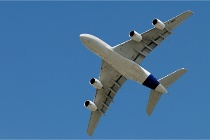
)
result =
(158, 24)
(96, 83)
(90, 105)
(135, 36)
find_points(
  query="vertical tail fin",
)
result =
(166, 82)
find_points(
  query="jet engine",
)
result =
(158, 24)
(90, 105)
(96, 83)
(135, 36)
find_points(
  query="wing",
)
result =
(112, 81)
(137, 51)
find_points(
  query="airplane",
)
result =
(121, 62)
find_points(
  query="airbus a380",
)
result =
(121, 62)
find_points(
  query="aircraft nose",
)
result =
(84, 38)
(82, 35)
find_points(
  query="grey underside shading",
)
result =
(112, 80)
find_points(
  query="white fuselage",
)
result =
(126, 67)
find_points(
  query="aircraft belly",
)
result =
(126, 67)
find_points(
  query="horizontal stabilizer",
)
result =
(171, 78)
(153, 99)
(166, 82)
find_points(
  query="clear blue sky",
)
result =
(45, 70)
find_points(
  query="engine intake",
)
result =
(135, 36)
(96, 83)
(158, 24)
(90, 105)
